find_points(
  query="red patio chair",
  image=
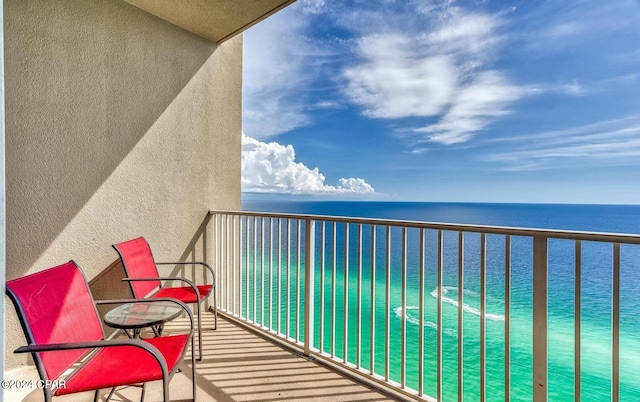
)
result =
(63, 330)
(144, 279)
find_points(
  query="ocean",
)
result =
(596, 300)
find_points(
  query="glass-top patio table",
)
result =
(139, 315)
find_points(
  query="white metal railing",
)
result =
(328, 285)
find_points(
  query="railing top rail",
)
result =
(456, 227)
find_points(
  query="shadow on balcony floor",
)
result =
(238, 365)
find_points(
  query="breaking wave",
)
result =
(416, 321)
(469, 309)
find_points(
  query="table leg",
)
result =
(157, 329)
(110, 394)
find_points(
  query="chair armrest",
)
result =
(53, 347)
(188, 282)
(203, 264)
(160, 299)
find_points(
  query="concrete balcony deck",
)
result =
(238, 365)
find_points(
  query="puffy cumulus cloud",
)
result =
(272, 168)
(434, 66)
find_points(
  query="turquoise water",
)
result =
(596, 298)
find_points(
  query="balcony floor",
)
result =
(238, 365)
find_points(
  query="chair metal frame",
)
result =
(35, 349)
(190, 283)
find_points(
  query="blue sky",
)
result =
(464, 101)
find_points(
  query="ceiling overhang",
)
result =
(214, 20)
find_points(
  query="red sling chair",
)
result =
(62, 327)
(142, 275)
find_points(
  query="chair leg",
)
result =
(215, 308)
(165, 389)
(199, 333)
(193, 371)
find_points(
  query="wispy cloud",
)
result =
(475, 106)
(574, 88)
(391, 84)
(438, 70)
(313, 6)
(274, 74)
(559, 26)
(631, 57)
(607, 143)
(272, 168)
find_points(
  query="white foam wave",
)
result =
(416, 321)
(465, 307)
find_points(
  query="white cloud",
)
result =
(606, 143)
(282, 65)
(274, 71)
(465, 34)
(326, 104)
(473, 108)
(395, 85)
(272, 168)
(313, 6)
(435, 63)
(423, 61)
(575, 89)
(437, 70)
(565, 30)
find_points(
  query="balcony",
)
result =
(379, 299)
(297, 325)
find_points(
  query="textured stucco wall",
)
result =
(2, 186)
(118, 124)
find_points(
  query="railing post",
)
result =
(615, 326)
(309, 263)
(540, 274)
